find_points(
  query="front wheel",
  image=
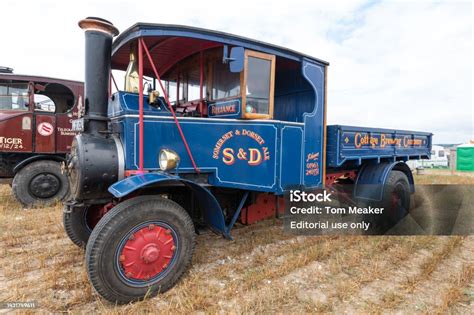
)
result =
(40, 183)
(139, 248)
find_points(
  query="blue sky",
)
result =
(342, 29)
(394, 64)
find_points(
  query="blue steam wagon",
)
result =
(210, 128)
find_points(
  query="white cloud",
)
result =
(393, 64)
(408, 66)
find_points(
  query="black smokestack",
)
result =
(99, 34)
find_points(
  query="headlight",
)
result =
(168, 159)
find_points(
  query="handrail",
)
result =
(142, 43)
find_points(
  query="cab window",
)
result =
(171, 90)
(259, 85)
(53, 98)
(14, 96)
(44, 104)
(254, 85)
(226, 84)
(182, 82)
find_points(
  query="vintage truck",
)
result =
(36, 134)
(209, 129)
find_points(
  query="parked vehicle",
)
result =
(35, 134)
(439, 158)
(239, 122)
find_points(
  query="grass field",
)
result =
(263, 270)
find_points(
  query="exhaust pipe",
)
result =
(98, 34)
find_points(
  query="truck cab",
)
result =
(35, 134)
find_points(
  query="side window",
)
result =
(170, 87)
(53, 98)
(441, 153)
(226, 84)
(194, 91)
(14, 96)
(44, 104)
(259, 85)
(186, 76)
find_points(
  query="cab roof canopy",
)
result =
(40, 79)
(169, 44)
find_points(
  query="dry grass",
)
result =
(263, 270)
(457, 292)
(444, 177)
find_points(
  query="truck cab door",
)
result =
(45, 124)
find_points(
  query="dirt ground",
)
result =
(263, 270)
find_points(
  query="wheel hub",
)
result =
(147, 252)
(44, 185)
(150, 253)
(396, 200)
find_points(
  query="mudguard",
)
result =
(371, 180)
(35, 158)
(211, 210)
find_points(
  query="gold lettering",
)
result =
(228, 156)
(255, 157)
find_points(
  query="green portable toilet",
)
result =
(465, 157)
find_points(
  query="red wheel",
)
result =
(147, 251)
(139, 248)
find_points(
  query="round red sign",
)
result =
(45, 129)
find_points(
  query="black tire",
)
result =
(40, 183)
(395, 203)
(78, 224)
(122, 224)
(397, 185)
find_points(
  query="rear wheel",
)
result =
(80, 221)
(396, 198)
(40, 183)
(139, 248)
(395, 203)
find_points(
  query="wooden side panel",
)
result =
(64, 132)
(45, 141)
(16, 132)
